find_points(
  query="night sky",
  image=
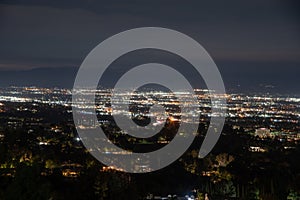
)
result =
(254, 43)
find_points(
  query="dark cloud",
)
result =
(58, 33)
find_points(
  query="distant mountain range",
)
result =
(41, 77)
(268, 79)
